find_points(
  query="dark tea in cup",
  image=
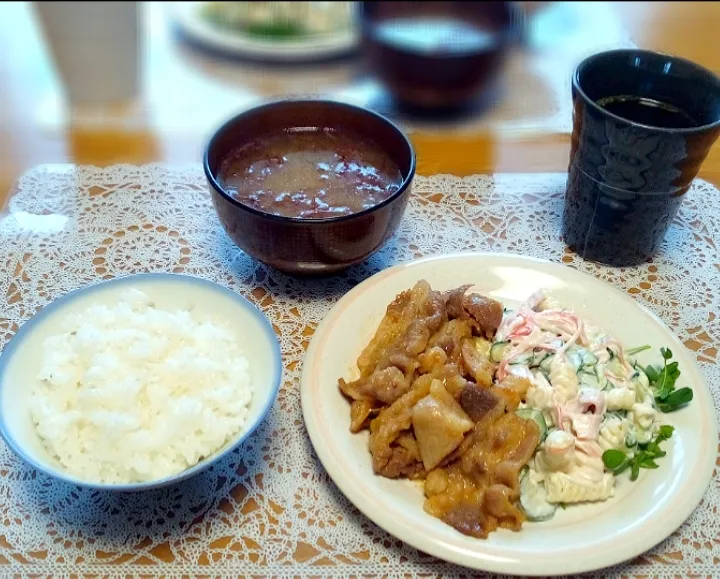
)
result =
(648, 112)
(643, 123)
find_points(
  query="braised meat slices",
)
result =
(427, 396)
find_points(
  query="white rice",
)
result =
(131, 393)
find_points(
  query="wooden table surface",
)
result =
(186, 93)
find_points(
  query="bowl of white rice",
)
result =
(137, 382)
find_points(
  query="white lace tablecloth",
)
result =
(270, 509)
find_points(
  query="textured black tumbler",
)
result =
(627, 179)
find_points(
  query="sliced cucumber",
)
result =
(603, 383)
(533, 500)
(498, 351)
(538, 356)
(537, 417)
(573, 356)
(545, 364)
(588, 358)
(581, 358)
(615, 366)
(522, 360)
(588, 379)
(619, 414)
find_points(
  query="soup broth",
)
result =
(310, 173)
(432, 35)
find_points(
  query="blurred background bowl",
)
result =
(438, 55)
(19, 362)
(299, 245)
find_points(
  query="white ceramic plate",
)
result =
(322, 46)
(580, 538)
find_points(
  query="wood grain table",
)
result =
(186, 93)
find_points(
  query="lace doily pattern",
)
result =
(270, 508)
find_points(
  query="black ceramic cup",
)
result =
(643, 123)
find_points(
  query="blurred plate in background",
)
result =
(275, 31)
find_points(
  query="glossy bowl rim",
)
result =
(707, 127)
(507, 35)
(66, 299)
(354, 109)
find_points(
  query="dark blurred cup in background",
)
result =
(438, 55)
(643, 123)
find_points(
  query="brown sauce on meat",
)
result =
(313, 174)
(426, 394)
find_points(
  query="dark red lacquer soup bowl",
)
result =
(309, 187)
